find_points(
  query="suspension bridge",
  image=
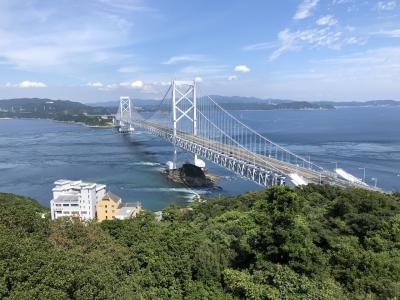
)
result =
(201, 126)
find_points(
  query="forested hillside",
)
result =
(60, 110)
(317, 242)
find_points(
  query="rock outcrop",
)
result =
(191, 176)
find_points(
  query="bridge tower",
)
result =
(184, 106)
(125, 115)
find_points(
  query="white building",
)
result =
(76, 199)
(128, 211)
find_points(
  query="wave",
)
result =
(168, 190)
(188, 194)
(4, 166)
(144, 163)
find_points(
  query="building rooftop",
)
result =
(67, 181)
(112, 197)
(124, 213)
(132, 205)
(65, 184)
(67, 198)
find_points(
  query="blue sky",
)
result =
(97, 50)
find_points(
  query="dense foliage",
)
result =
(317, 242)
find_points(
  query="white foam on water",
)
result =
(8, 165)
(168, 190)
(144, 163)
(189, 194)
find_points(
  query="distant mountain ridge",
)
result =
(46, 106)
(217, 98)
(49, 106)
(362, 103)
(254, 100)
(59, 110)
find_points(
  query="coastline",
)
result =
(59, 121)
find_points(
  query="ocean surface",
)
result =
(35, 153)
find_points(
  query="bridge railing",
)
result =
(229, 130)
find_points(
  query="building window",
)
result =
(105, 206)
(106, 211)
(106, 217)
(58, 204)
(58, 212)
(65, 204)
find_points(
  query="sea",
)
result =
(35, 153)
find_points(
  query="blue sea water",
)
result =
(35, 153)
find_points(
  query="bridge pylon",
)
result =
(184, 107)
(125, 115)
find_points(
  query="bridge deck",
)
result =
(255, 159)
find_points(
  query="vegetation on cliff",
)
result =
(317, 242)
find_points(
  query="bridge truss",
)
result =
(203, 127)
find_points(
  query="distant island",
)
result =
(265, 106)
(59, 110)
(253, 103)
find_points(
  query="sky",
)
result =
(99, 50)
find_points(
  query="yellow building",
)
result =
(108, 206)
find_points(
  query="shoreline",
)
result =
(59, 121)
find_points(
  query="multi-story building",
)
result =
(76, 199)
(108, 206)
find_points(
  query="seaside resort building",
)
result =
(76, 199)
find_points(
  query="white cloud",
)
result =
(389, 33)
(129, 69)
(386, 5)
(32, 35)
(355, 40)
(292, 41)
(96, 84)
(232, 78)
(327, 20)
(126, 5)
(198, 79)
(108, 87)
(259, 46)
(31, 84)
(304, 9)
(202, 70)
(334, 2)
(387, 59)
(162, 83)
(242, 69)
(184, 58)
(136, 85)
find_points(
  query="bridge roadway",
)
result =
(257, 160)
